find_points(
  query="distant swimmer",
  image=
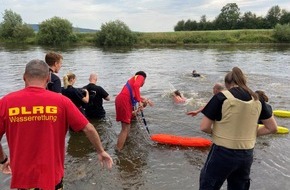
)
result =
(195, 74)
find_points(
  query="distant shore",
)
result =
(184, 38)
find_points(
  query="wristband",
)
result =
(5, 160)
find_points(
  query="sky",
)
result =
(138, 15)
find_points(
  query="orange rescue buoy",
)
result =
(181, 140)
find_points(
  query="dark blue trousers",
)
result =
(222, 164)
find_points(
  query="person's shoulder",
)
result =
(220, 96)
(54, 76)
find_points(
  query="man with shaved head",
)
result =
(95, 109)
(216, 89)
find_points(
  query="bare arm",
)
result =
(86, 98)
(2, 154)
(6, 162)
(195, 112)
(147, 101)
(206, 124)
(94, 138)
(270, 126)
(107, 98)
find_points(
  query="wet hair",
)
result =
(52, 57)
(142, 73)
(262, 96)
(177, 93)
(67, 78)
(237, 77)
(36, 69)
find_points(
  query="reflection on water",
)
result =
(144, 164)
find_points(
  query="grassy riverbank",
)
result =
(206, 37)
(184, 38)
(181, 38)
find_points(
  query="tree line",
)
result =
(231, 18)
(59, 31)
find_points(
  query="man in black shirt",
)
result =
(54, 61)
(94, 109)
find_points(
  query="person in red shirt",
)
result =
(124, 103)
(35, 121)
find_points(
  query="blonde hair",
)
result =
(67, 78)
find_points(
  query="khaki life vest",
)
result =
(237, 128)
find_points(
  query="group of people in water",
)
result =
(88, 99)
(35, 120)
(35, 128)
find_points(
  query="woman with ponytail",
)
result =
(78, 96)
(231, 118)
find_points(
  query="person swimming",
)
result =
(195, 74)
(178, 97)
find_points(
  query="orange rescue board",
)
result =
(181, 140)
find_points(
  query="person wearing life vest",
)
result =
(231, 118)
(125, 101)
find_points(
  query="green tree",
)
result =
(115, 33)
(190, 25)
(202, 25)
(55, 31)
(179, 26)
(229, 17)
(285, 17)
(13, 28)
(249, 21)
(273, 16)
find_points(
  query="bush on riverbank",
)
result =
(282, 33)
(13, 30)
(115, 33)
(55, 31)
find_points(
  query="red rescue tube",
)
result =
(181, 140)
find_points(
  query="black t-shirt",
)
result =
(213, 109)
(54, 83)
(94, 108)
(74, 94)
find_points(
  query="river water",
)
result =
(146, 165)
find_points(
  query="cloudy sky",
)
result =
(138, 15)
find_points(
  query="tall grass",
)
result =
(208, 37)
(183, 38)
